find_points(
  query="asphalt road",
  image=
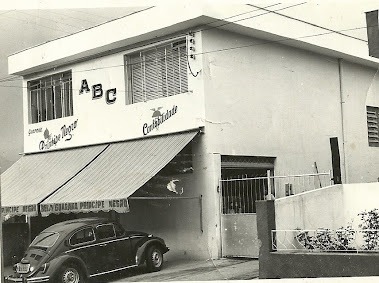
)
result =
(222, 269)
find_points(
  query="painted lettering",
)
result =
(158, 119)
(84, 86)
(97, 91)
(108, 94)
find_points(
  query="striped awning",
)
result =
(118, 172)
(34, 177)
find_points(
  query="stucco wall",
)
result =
(330, 207)
(270, 100)
(360, 89)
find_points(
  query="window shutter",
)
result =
(159, 72)
(136, 65)
(372, 125)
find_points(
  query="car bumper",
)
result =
(10, 279)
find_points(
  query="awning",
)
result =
(34, 177)
(118, 172)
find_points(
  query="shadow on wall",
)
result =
(177, 221)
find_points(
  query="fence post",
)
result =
(268, 185)
(265, 224)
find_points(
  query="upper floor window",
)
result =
(157, 72)
(372, 125)
(50, 97)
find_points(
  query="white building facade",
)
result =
(108, 115)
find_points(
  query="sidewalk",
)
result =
(205, 270)
(221, 269)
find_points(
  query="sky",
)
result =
(26, 23)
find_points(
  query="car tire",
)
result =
(154, 259)
(70, 274)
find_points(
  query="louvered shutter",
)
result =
(136, 68)
(159, 72)
(372, 125)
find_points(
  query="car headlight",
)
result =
(44, 267)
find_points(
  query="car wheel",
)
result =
(70, 274)
(154, 259)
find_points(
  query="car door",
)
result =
(81, 243)
(112, 250)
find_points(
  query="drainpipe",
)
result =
(345, 177)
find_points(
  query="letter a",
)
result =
(84, 87)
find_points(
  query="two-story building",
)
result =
(140, 120)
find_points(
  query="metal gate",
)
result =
(239, 235)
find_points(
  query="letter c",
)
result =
(107, 96)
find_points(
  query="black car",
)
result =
(76, 250)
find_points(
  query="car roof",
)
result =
(73, 224)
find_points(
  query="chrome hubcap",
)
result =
(156, 258)
(71, 275)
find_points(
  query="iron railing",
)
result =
(240, 194)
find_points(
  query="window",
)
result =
(158, 72)
(45, 239)
(82, 236)
(105, 231)
(119, 231)
(372, 125)
(50, 98)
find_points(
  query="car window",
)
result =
(45, 239)
(83, 236)
(119, 231)
(105, 231)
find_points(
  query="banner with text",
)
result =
(118, 205)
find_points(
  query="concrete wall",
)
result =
(273, 264)
(270, 100)
(330, 207)
(360, 89)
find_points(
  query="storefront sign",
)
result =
(118, 205)
(51, 140)
(30, 210)
(158, 119)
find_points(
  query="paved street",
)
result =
(222, 269)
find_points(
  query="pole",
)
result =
(1, 240)
(268, 185)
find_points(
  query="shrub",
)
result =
(370, 227)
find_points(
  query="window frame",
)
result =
(106, 224)
(46, 95)
(128, 72)
(84, 243)
(372, 110)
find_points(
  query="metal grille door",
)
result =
(238, 215)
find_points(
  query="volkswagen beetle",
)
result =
(74, 251)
